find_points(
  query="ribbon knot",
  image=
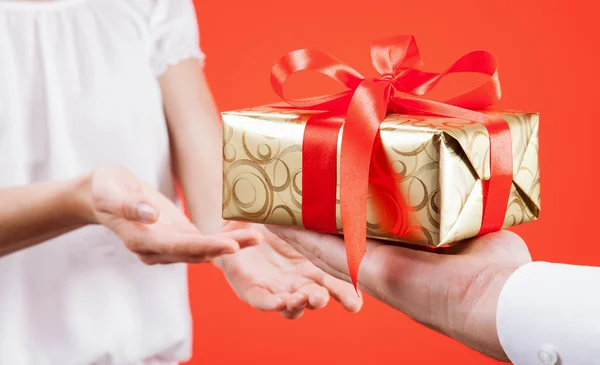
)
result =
(388, 77)
(364, 106)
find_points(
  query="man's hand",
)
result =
(454, 291)
(272, 276)
(150, 225)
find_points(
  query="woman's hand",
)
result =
(150, 225)
(272, 276)
(454, 293)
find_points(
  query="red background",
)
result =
(548, 62)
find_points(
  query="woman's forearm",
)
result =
(196, 145)
(34, 213)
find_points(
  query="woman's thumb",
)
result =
(118, 192)
(136, 207)
(145, 212)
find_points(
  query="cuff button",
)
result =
(548, 355)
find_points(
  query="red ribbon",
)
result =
(399, 88)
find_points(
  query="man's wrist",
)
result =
(484, 315)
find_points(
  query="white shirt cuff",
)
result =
(550, 314)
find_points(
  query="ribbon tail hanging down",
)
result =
(366, 111)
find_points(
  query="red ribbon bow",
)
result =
(399, 88)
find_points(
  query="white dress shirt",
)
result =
(78, 88)
(550, 314)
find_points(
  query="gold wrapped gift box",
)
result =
(441, 161)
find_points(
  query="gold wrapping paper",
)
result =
(441, 161)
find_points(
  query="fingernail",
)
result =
(146, 212)
(354, 304)
(227, 251)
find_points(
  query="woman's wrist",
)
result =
(79, 201)
(206, 222)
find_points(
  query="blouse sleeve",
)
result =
(174, 33)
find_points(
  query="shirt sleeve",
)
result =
(174, 32)
(550, 314)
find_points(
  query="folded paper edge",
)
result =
(523, 193)
(458, 148)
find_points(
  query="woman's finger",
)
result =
(245, 237)
(235, 225)
(297, 301)
(318, 296)
(292, 314)
(263, 299)
(200, 259)
(162, 260)
(171, 242)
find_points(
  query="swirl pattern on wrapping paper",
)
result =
(414, 157)
(384, 196)
(524, 204)
(261, 181)
(263, 173)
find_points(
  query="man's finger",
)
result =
(383, 266)
(327, 252)
(263, 299)
(343, 292)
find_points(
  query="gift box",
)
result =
(441, 163)
(381, 159)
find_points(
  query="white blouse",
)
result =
(78, 88)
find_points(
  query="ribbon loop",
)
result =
(309, 60)
(389, 55)
(474, 62)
